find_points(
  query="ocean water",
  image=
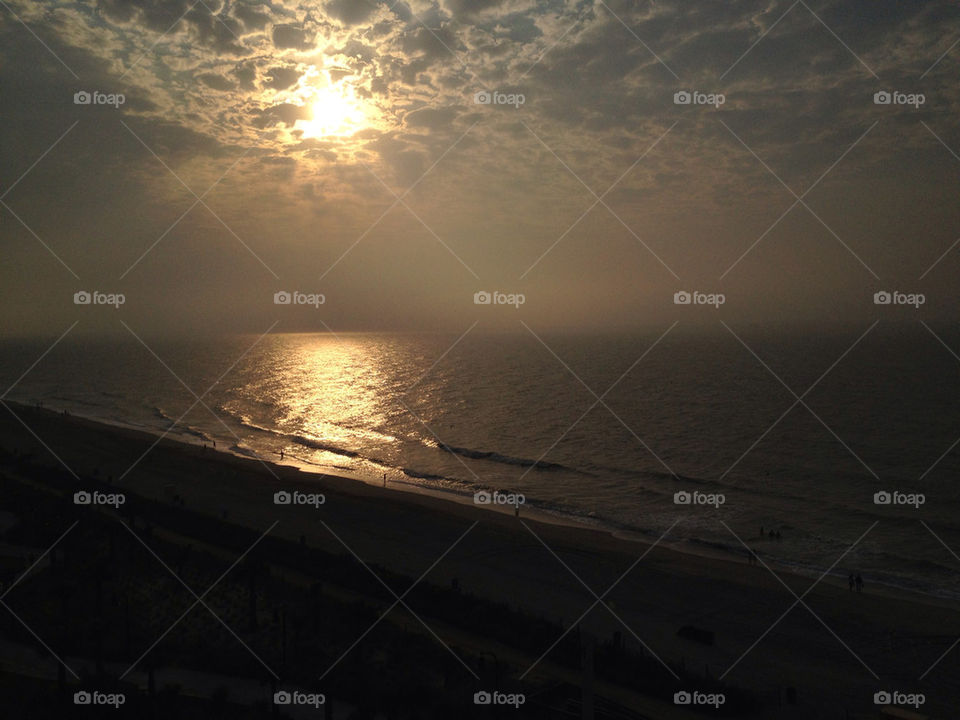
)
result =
(601, 429)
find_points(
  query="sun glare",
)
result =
(336, 112)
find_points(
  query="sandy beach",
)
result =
(826, 657)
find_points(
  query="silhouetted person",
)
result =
(778, 535)
(281, 453)
(850, 581)
(859, 581)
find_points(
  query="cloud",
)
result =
(290, 37)
(286, 113)
(431, 118)
(281, 77)
(217, 82)
(406, 162)
(488, 11)
(237, 79)
(351, 12)
(246, 74)
(250, 16)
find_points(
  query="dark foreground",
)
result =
(199, 596)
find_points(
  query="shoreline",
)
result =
(658, 595)
(598, 534)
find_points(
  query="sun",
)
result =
(335, 112)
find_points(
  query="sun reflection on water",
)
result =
(332, 389)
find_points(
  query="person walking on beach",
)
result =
(281, 453)
(859, 582)
(850, 581)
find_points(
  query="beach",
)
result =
(827, 648)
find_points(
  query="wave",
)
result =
(419, 475)
(190, 430)
(246, 422)
(77, 401)
(180, 429)
(504, 459)
(161, 415)
(490, 456)
(317, 445)
(247, 452)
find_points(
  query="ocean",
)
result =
(790, 431)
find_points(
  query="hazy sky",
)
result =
(300, 124)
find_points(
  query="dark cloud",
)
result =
(471, 8)
(281, 77)
(251, 17)
(119, 11)
(217, 82)
(246, 75)
(286, 113)
(356, 49)
(290, 37)
(221, 33)
(278, 160)
(432, 43)
(217, 31)
(149, 14)
(351, 12)
(431, 117)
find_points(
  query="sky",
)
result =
(395, 158)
